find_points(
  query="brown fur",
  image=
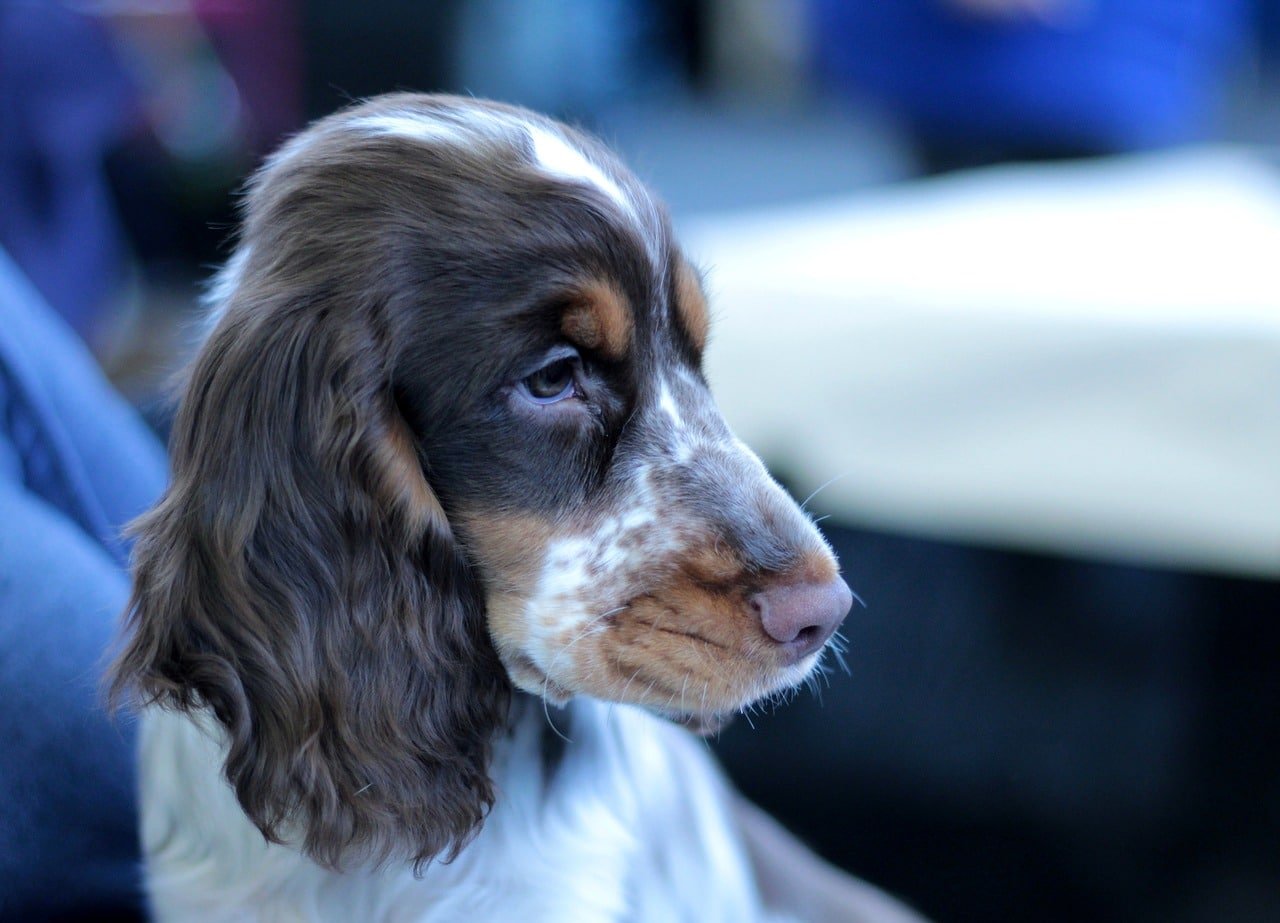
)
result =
(361, 499)
(691, 304)
(299, 578)
(600, 320)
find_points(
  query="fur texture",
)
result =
(446, 450)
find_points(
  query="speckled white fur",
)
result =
(580, 572)
(668, 405)
(589, 575)
(637, 822)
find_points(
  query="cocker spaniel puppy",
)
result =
(455, 539)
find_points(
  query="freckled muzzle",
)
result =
(801, 599)
(706, 591)
(769, 548)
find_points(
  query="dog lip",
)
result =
(692, 635)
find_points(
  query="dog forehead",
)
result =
(553, 150)
(629, 293)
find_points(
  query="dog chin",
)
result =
(709, 723)
(706, 724)
(528, 677)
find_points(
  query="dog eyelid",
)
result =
(557, 379)
(552, 383)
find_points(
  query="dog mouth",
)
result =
(696, 686)
(696, 659)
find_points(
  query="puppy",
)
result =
(455, 539)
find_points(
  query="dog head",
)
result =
(448, 432)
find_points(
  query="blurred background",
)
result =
(998, 290)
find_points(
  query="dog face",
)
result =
(449, 430)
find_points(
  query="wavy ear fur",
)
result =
(300, 580)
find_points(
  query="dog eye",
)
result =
(554, 382)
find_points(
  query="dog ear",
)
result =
(299, 580)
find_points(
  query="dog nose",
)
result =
(802, 616)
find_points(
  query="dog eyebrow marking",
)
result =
(599, 318)
(691, 304)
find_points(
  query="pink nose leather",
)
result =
(802, 616)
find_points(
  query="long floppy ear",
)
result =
(299, 580)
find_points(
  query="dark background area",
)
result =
(1027, 737)
(1018, 736)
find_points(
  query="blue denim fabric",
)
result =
(65, 104)
(76, 464)
(1127, 74)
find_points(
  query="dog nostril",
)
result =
(802, 616)
(808, 634)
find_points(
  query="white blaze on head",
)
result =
(556, 157)
(553, 154)
(410, 125)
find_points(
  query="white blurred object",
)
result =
(1080, 358)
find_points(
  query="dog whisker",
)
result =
(405, 460)
(823, 486)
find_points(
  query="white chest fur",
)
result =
(631, 822)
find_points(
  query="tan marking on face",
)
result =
(507, 548)
(817, 567)
(402, 481)
(689, 642)
(640, 604)
(691, 304)
(680, 649)
(600, 319)
(509, 551)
